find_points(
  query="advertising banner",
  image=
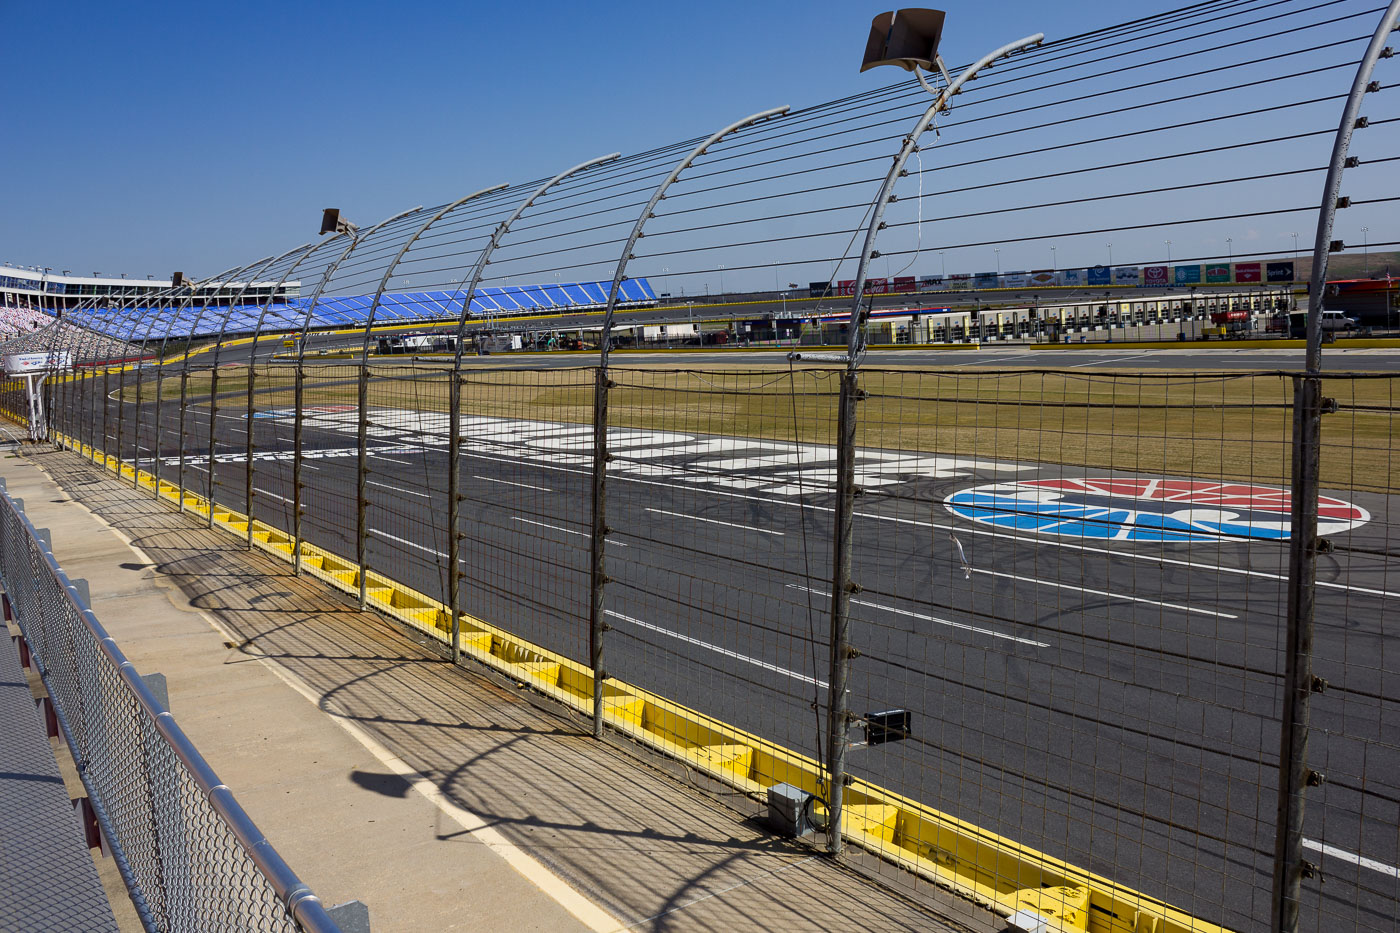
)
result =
(1218, 273)
(1073, 277)
(961, 281)
(819, 289)
(1248, 272)
(1100, 275)
(986, 280)
(877, 286)
(1279, 272)
(904, 283)
(1044, 277)
(1155, 275)
(1186, 275)
(1127, 276)
(1019, 279)
(931, 282)
(16, 363)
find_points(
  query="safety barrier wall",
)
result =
(189, 855)
(743, 566)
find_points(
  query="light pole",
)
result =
(943, 262)
(666, 280)
(1295, 250)
(1169, 252)
(1230, 248)
(997, 250)
(1110, 255)
(1365, 248)
(721, 278)
(1054, 267)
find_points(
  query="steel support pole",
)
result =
(454, 453)
(251, 421)
(598, 565)
(1290, 868)
(842, 585)
(838, 698)
(362, 530)
(299, 378)
(251, 275)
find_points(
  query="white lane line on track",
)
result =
(715, 521)
(1085, 589)
(1116, 359)
(717, 649)
(264, 492)
(394, 460)
(406, 492)
(506, 482)
(407, 543)
(1345, 856)
(567, 531)
(927, 618)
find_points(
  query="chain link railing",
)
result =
(191, 858)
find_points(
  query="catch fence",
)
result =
(1062, 641)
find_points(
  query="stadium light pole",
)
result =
(907, 39)
(1230, 249)
(1110, 255)
(1365, 249)
(997, 250)
(1169, 252)
(1054, 263)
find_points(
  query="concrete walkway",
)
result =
(445, 799)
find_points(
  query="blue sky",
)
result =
(152, 137)
(189, 136)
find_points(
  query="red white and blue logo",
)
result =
(1145, 509)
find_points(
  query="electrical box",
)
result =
(790, 810)
(891, 725)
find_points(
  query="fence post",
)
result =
(1295, 776)
(454, 504)
(597, 577)
(839, 714)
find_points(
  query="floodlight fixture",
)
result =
(907, 39)
(177, 280)
(332, 222)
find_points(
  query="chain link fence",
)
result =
(191, 858)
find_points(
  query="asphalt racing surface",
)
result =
(1092, 660)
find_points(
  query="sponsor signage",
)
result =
(1016, 279)
(931, 281)
(1073, 277)
(16, 363)
(1186, 275)
(904, 283)
(1044, 277)
(1100, 275)
(1126, 276)
(1279, 272)
(1156, 275)
(818, 289)
(962, 281)
(1218, 273)
(1248, 272)
(986, 280)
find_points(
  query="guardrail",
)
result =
(190, 857)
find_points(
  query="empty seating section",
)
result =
(21, 319)
(354, 310)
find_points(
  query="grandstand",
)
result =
(196, 315)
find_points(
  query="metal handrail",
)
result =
(303, 906)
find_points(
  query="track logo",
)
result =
(1144, 509)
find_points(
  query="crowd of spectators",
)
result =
(16, 320)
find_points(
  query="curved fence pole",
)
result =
(140, 305)
(250, 422)
(838, 699)
(233, 306)
(299, 376)
(209, 300)
(362, 473)
(454, 407)
(139, 309)
(597, 574)
(1308, 407)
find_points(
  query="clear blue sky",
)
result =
(148, 137)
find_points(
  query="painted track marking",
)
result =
(928, 618)
(715, 521)
(1085, 589)
(507, 482)
(717, 649)
(1352, 857)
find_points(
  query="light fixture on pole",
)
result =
(332, 222)
(1169, 252)
(1054, 265)
(1230, 247)
(1295, 250)
(1365, 248)
(721, 278)
(943, 262)
(1110, 255)
(997, 250)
